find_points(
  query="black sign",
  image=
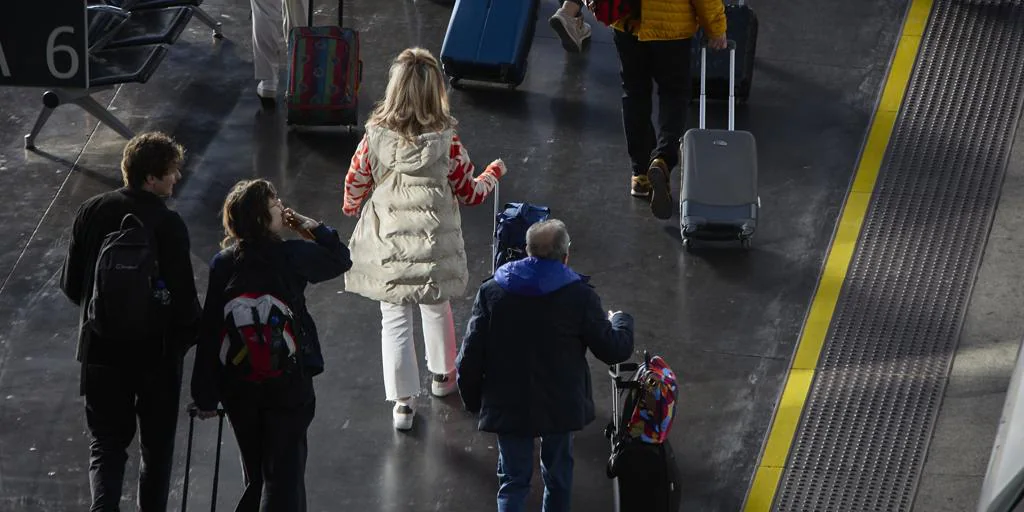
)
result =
(44, 43)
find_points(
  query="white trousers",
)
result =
(401, 371)
(272, 20)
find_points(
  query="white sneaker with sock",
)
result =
(442, 385)
(267, 89)
(572, 30)
(402, 415)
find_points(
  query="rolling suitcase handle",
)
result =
(341, 10)
(192, 412)
(494, 227)
(732, 83)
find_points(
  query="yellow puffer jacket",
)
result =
(662, 20)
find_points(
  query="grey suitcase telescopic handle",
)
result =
(732, 84)
(494, 226)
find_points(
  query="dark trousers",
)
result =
(115, 399)
(643, 64)
(272, 441)
(515, 469)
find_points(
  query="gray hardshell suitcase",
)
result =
(719, 198)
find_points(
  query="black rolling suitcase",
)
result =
(741, 27)
(192, 412)
(645, 476)
(718, 200)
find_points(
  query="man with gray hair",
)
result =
(523, 366)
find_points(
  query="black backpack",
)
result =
(262, 329)
(126, 284)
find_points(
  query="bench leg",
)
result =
(50, 102)
(208, 20)
(103, 115)
(82, 98)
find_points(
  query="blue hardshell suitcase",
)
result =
(719, 198)
(489, 40)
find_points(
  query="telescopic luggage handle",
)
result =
(494, 226)
(341, 10)
(192, 413)
(732, 83)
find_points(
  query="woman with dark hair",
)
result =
(258, 347)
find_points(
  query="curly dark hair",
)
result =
(246, 216)
(148, 154)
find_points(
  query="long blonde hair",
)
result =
(416, 101)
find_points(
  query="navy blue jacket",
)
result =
(523, 363)
(301, 262)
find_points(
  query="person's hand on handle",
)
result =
(612, 314)
(718, 43)
(203, 415)
(498, 168)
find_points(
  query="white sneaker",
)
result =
(267, 89)
(442, 385)
(402, 416)
(572, 30)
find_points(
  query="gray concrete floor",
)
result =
(726, 320)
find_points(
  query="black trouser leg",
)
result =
(672, 74)
(110, 417)
(272, 441)
(635, 69)
(157, 406)
(284, 470)
(244, 414)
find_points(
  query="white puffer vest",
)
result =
(407, 246)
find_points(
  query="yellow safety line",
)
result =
(808, 349)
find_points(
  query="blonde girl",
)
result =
(405, 182)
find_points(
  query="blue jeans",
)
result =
(515, 468)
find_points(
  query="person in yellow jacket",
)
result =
(654, 47)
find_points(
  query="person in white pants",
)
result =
(272, 20)
(406, 181)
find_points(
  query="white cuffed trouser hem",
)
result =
(272, 20)
(398, 349)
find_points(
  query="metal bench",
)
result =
(127, 43)
(107, 68)
(194, 6)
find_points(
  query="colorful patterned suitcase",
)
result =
(324, 74)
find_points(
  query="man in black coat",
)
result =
(123, 381)
(523, 364)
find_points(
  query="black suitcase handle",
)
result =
(192, 412)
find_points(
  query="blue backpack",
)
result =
(510, 227)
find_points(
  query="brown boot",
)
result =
(661, 190)
(640, 186)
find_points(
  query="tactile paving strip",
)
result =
(868, 420)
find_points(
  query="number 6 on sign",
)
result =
(52, 49)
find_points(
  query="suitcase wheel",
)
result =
(454, 82)
(687, 244)
(745, 243)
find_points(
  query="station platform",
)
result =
(736, 325)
